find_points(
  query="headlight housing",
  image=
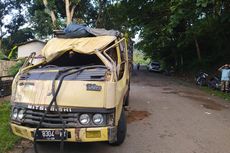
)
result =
(15, 114)
(84, 119)
(98, 119)
(21, 114)
(110, 119)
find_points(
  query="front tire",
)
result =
(121, 130)
(126, 102)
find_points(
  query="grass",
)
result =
(184, 80)
(7, 139)
(217, 93)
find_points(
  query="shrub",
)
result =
(13, 70)
(7, 139)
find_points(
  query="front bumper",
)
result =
(74, 134)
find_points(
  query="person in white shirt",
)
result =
(225, 77)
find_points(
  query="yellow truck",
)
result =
(75, 93)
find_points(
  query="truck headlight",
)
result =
(98, 119)
(21, 114)
(84, 119)
(15, 113)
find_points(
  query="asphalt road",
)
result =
(165, 116)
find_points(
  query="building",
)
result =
(26, 48)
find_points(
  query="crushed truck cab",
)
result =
(77, 92)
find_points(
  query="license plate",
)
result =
(51, 135)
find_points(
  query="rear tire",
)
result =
(121, 130)
(201, 82)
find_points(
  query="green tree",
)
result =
(3, 12)
(22, 35)
(47, 16)
(183, 33)
(13, 32)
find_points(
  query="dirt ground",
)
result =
(165, 116)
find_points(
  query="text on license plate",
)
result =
(51, 134)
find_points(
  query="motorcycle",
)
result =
(214, 83)
(204, 79)
(201, 79)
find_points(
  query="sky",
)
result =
(137, 39)
(8, 18)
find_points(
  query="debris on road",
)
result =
(207, 113)
(134, 115)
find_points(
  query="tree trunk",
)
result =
(53, 18)
(1, 35)
(182, 60)
(0, 44)
(217, 7)
(68, 13)
(198, 49)
(52, 14)
(98, 21)
(72, 12)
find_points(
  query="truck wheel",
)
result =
(121, 130)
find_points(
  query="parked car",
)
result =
(154, 67)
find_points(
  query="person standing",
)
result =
(225, 77)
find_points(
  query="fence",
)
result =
(5, 79)
(4, 67)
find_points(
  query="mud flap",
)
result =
(112, 134)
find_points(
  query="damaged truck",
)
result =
(76, 93)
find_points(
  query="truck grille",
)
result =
(52, 119)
